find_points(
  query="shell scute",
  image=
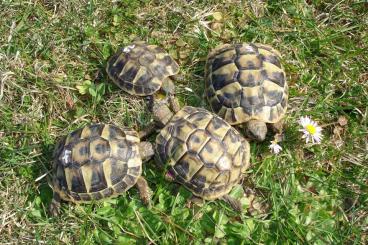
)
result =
(95, 162)
(139, 69)
(207, 154)
(238, 83)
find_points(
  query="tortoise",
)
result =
(98, 161)
(142, 69)
(246, 85)
(204, 153)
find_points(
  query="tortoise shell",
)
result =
(202, 152)
(95, 162)
(246, 81)
(140, 68)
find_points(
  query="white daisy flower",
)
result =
(311, 130)
(274, 147)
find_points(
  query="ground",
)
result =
(52, 80)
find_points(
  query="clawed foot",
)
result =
(54, 208)
(144, 191)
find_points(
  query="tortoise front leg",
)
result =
(54, 208)
(194, 200)
(234, 203)
(144, 191)
(277, 127)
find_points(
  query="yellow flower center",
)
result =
(311, 129)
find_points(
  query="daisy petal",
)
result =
(274, 147)
(311, 131)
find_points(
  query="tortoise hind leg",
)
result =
(144, 190)
(54, 208)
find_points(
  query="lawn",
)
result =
(52, 81)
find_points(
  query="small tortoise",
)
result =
(203, 153)
(98, 161)
(143, 70)
(246, 85)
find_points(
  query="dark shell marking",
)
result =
(246, 81)
(203, 152)
(95, 162)
(140, 68)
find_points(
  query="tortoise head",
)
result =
(146, 150)
(256, 130)
(168, 87)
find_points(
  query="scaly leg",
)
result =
(234, 203)
(144, 191)
(54, 208)
(277, 127)
(196, 201)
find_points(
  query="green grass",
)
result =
(316, 194)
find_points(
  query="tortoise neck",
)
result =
(161, 112)
(168, 87)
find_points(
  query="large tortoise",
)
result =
(144, 70)
(98, 161)
(204, 153)
(246, 85)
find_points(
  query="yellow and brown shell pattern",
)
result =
(203, 152)
(246, 81)
(95, 162)
(140, 68)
